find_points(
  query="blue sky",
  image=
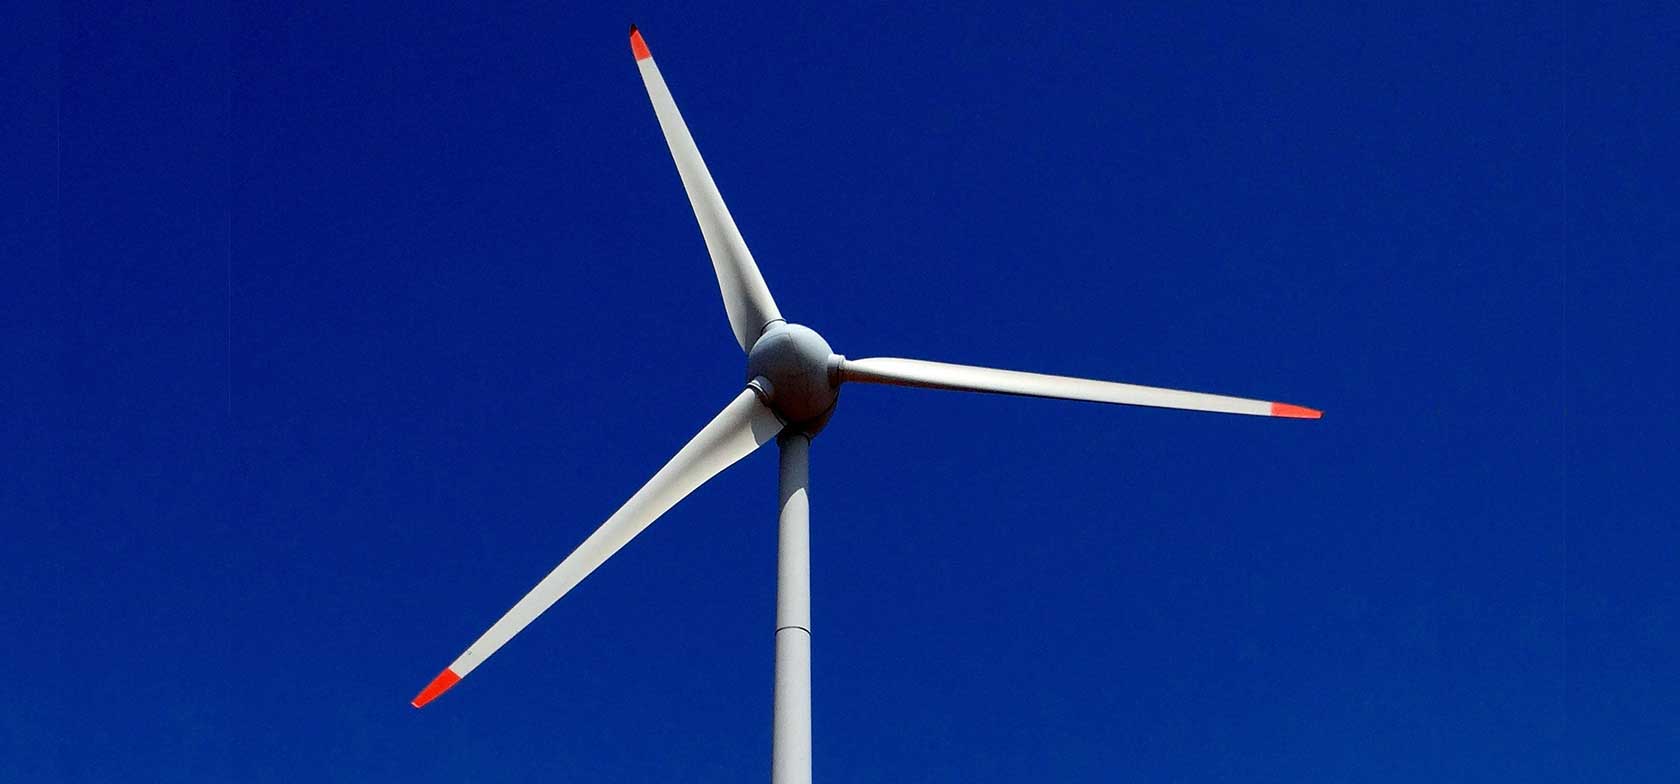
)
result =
(338, 327)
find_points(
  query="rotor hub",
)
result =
(799, 365)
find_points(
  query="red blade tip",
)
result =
(638, 47)
(439, 685)
(1295, 412)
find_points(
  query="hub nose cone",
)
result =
(795, 360)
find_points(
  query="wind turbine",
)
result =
(793, 380)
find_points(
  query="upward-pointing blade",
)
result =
(743, 426)
(745, 296)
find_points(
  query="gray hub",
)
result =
(798, 364)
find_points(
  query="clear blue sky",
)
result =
(331, 329)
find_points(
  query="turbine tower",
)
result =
(792, 384)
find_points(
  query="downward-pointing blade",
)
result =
(743, 426)
(942, 375)
(745, 297)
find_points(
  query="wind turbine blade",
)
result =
(743, 426)
(967, 378)
(745, 297)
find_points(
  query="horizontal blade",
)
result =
(941, 375)
(743, 426)
(745, 297)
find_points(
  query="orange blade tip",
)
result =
(1295, 412)
(439, 685)
(638, 47)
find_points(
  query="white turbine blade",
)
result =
(940, 375)
(745, 296)
(743, 426)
